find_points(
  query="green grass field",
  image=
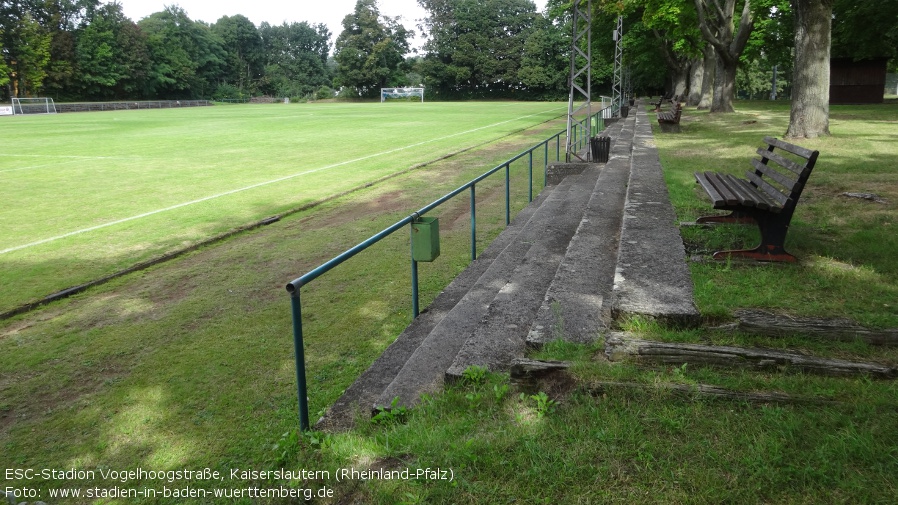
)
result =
(190, 363)
(86, 195)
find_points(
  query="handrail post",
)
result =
(558, 147)
(473, 224)
(301, 391)
(507, 194)
(531, 176)
(414, 271)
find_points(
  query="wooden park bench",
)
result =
(766, 197)
(672, 116)
(661, 99)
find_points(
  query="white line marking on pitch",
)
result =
(39, 166)
(266, 183)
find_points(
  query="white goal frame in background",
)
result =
(400, 93)
(33, 106)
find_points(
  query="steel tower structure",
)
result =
(617, 82)
(580, 78)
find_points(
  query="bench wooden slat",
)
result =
(753, 196)
(768, 171)
(768, 188)
(805, 153)
(672, 116)
(717, 199)
(779, 160)
(745, 197)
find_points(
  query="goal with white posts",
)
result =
(400, 93)
(33, 106)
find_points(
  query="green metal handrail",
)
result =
(593, 125)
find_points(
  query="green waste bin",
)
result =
(425, 239)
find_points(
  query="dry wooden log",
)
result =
(535, 375)
(690, 391)
(620, 347)
(765, 323)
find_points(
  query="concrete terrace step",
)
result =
(602, 244)
(363, 394)
(576, 307)
(425, 368)
(500, 336)
(652, 277)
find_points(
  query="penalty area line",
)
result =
(254, 186)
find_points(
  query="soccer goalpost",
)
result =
(402, 93)
(33, 106)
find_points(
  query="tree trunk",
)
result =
(696, 77)
(677, 68)
(809, 117)
(724, 85)
(680, 79)
(710, 64)
(717, 24)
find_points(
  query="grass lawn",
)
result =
(846, 245)
(86, 195)
(188, 365)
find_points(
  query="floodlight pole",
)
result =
(617, 82)
(580, 78)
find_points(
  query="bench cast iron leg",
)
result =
(773, 239)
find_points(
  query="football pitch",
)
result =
(88, 194)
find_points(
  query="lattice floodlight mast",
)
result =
(400, 93)
(580, 78)
(617, 82)
(628, 83)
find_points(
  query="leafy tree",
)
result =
(755, 77)
(674, 25)
(865, 29)
(809, 116)
(370, 51)
(26, 49)
(62, 18)
(296, 58)
(112, 56)
(718, 23)
(187, 58)
(476, 47)
(242, 41)
(5, 71)
(545, 60)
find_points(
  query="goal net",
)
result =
(33, 106)
(401, 93)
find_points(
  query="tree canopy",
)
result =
(370, 50)
(89, 50)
